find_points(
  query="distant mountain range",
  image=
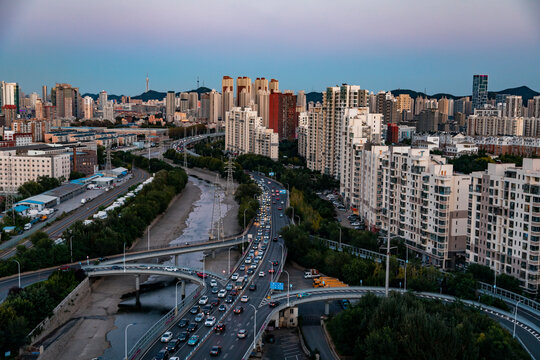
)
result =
(525, 92)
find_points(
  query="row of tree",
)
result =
(406, 327)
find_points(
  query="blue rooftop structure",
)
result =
(21, 208)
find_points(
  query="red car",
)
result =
(273, 304)
(201, 275)
(238, 310)
(279, 208)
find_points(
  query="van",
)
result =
(27, 226)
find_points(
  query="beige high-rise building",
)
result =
(39, 110)
(442, 105)
(419, 105)
(262, 100)
(310, 137)
(243, 91)
(514, 106)
(274, 86)
(67, 101)
(504, 230)
(170, 106)
(261, 84)
(193, 101)
(301, 101)
(227, 95)
(88, 107)
(404, 102)
(245, 134)
(215, 107)
(489, 122)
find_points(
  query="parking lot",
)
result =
(342, 213)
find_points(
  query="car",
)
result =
(229, 287)
(252, 287)
(210, 321)
(242, 268)
(345, 304)
(192, 327)
(203, 300)
(183, 323)
(250, 271)
(261, 273)
(273, 304)
(166, 337)
(215, 290)
(213, 283)
(355, 224)
(220, 327)
(280, 215)
(229, 299)
(183, 336)
(271, 271)
(248, 260)
(162, 355)
(275, 263)
(235, 276)
(175, 358)
(238, 310)
(244, 299)
(195, 309)
(280, 208)
(222, 293)
(199, 317)
(242, 334)
(193, 340)
(234, 292)
(222, 307)
(214, 302)
(207, 309)
(172, 345)
(202, 275)
(303, 295)
(215, 351)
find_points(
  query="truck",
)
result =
(334, 283)
(318, 282)
(311, 274)
(250, 237)
(27, 226)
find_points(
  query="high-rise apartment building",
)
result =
(245, 134)
(243, 91)
(282, 115)
(513, 106)
(504, 221)
(44, 95)
(215, 107)
(443, 106)
(227, 93)
(108, 111)
(262, 100)
(88, 107)
(301, 100)
(489, 122)
(9, 95)
(261, 84)
(310, 137)
(193, 101)
(103, 99)
(274, 86)
(67, 101)
(479, 91)
(170, 106)
(184, 102)
(534, 110)
(404, 102)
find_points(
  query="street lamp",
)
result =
(71, 247)
(244, 231)
(125, 340)
(515, 319)
(339, 236)
(288, 286)
(254, 327)
(282, 252)
(19, 270)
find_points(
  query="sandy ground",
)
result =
(97, 315)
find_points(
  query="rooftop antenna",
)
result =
(197, 82)
(147, 80)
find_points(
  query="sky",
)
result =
(306, 44)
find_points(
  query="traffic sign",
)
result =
(276, 285)
(271, 174)
(282, 191)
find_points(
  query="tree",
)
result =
(76, 175)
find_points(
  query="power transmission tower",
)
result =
(216, 230)
(230, 168)
(108, 163)
(10, 190)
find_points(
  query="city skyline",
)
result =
(378, 46)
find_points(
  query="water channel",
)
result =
(157, 303)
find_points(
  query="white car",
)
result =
(244, 299)
(203, 300)
(199, 317)
(261, 273)
(213, 283)
(210, 321)
(222, 293)
(166, 337)
(235, 276)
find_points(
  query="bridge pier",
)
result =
(327, 308)
(213, 254)
(137, 291)
(176, 260)
(183, 289)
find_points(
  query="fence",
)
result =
(508, 295)
(139, 349)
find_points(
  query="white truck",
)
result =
(311, 274)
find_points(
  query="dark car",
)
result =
(273, 304)
(192, 327)
(274, 239)
(116, 267)
(172, 345)
(252, 287)
(229, 299)
(162, 355)
(222, 307)
(228, 287)
(207, 309)
(183, 323)
(234, 292)
(195, 309)
(220, 327)
(216, 350)
(242, 268)
(275, 263)
(183, 336)
(250, 271)
(238, 310)
(215, 290)
(214, 302)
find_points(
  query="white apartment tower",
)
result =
(504, 221)
(88, 107)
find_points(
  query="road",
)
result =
(58, 227)
(233, 347)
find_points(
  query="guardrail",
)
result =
(508, 295)
(139, 349)
(360, 252)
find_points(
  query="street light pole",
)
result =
(515, 319)
(339, 237)
(406, 262)
(288, 286)
(244, 232)
(19, 270)
(125, 341)
(71, 247)
(254, 327)
(229, 262)
(124, 257)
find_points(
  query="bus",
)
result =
(239, 284)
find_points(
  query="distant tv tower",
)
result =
(197, 82)
(147, 80)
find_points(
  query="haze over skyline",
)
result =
(418, 44)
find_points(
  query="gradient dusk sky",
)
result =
(306, 44)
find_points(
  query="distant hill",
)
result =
(524, 91)
(149, 95)
(314, 96)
